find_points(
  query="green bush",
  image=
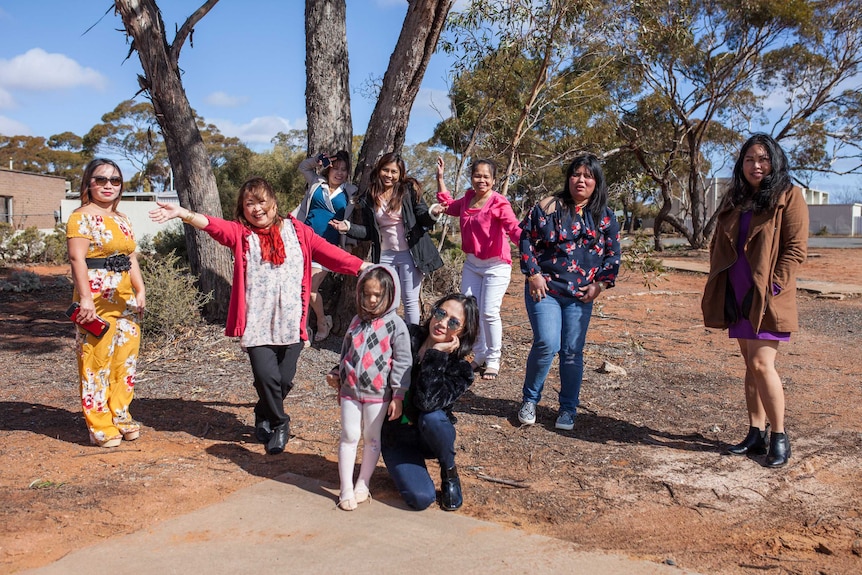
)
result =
(6, 233)
(32, 246)
(171, 240)
(173, 300)
(56, 251)
(27, 246)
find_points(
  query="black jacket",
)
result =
(417, 221)
(437, 381)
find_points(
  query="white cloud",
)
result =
(225, 100)
(10, 127)
(36, 69)
(432, 103)
(6, 99)
(257, 131)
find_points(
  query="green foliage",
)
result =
(173, 300)
(32, 246)
(280, 167)
(823, 231)
(6, 233)
(639, 259)
(27, 246)
(170, 240)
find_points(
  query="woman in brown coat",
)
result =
(760, 240)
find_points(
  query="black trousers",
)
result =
(274, 367)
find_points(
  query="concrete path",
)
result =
(291, 525)
(826, 289)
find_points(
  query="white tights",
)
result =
(353, 414)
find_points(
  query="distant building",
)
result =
(833, 219)
(28, 199)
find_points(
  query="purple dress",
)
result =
(742, 281)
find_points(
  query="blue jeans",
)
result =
(405, 449)
(559, 326)
(411, 282)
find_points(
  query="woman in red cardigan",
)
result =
(270, 292)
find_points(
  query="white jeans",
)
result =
(487, 281)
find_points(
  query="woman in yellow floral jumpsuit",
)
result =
(108, 284)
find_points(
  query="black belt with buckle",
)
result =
(115, 263)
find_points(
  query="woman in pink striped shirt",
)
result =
(487, 224)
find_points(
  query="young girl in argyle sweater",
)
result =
(372, 377)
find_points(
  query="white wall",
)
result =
(137, 212)
(838, 219)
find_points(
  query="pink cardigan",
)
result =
(235, 236)
(484, 231)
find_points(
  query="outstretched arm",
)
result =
(166, 212)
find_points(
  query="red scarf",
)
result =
(271, 244)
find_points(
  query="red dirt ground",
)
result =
(641, 474)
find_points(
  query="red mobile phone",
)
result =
(97, 327)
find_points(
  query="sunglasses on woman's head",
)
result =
(440, 314)
(102, 180)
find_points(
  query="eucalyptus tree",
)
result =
(529, 85)
(193, 175)
(707, 68)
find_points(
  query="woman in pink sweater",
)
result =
(487, 224)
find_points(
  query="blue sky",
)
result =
(245, 72)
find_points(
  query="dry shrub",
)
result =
(173, 299)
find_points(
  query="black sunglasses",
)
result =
(440, 314)
(102, 180)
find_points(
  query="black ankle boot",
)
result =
(262, 430)
(450, 489)
(278, 440)
(779, 450)
(753, 444)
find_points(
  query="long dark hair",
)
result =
(259, 189)
(467, 337)
(778, 181)
(599, 200)
(88, 175)
(402, 186)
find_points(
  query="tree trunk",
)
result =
(193, 176)
(327, 83)
(388, 124)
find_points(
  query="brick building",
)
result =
(28, 199)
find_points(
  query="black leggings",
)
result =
(274, 367)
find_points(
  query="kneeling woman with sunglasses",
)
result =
(440, 375)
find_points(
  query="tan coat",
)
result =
(776, 245)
